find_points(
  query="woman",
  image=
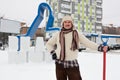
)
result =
(66, 53)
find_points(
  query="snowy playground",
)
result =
(20, 61)
(35, 62)
(91, 67)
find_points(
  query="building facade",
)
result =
(87, 14)
(13, 28)
(8, 27)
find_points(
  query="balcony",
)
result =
(66, 6)
(100, 1)
(64, 11)
(67, 0)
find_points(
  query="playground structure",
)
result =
(19, 46)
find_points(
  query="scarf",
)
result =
(74, 44)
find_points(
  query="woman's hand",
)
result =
(105, 48)
(102, 48)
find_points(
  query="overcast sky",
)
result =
(26, 10)
(111, 12)
(20, 10)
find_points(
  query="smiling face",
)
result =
(67, 24)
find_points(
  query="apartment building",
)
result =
(87, 14)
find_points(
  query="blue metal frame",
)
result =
(106, 36)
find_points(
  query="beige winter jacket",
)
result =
(70, 55)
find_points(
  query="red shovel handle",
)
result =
(104, 65)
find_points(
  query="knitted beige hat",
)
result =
(65, 18)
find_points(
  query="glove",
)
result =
(80, 49)
(54, 56)
(100, 48)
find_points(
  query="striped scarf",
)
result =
(74, 44)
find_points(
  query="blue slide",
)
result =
(49, 27)
(34, 26)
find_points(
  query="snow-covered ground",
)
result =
(90, 66)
